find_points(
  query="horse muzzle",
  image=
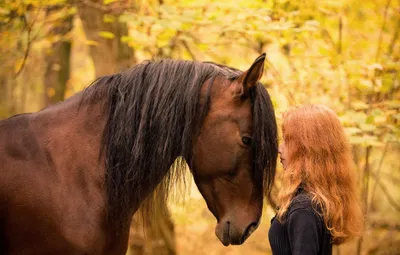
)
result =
(228, 233)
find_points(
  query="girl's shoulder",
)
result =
(302, 200)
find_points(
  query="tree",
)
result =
(58, 58)
(104, 33)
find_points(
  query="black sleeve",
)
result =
(303, 229)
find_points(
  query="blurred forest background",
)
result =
(342, 53)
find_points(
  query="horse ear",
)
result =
(250, 78)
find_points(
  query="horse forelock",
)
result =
(265, 142)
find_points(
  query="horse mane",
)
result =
(154, 110)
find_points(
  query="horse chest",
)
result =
(38, 222)
(45, 214)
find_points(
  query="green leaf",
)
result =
(106, 34)
(370, 119)
(365, 140)
(356, 140)
(202, 46)
(377, 117)
(377, 112)
(375, 143)
(108, 18)
(312, 23)
(372, 140)
(186, 38)
(55, 2)
(106, 2)
(91, 43)
(380, 120)
(387, 84)
(393, 104)
(359, 105)
(353, 117)
(352, 131)
(367, 127)
(147, 19)
(126, 39)
(364, 84)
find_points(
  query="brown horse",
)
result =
(73, 174)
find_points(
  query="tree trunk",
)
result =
(110, 55)
(5, 94)
(58, 61)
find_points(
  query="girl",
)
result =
(319, 205)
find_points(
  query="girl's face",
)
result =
(283, 154)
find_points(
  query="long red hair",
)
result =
(319, 158)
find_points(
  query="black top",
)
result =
(303, 230)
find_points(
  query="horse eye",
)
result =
(246, 140)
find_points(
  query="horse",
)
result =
(74, 173)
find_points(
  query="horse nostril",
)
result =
(249, 230)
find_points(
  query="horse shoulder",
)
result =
(41, 208)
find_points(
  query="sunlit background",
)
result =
(342, 53)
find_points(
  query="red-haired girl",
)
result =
(319, 202)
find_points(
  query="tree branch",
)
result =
(339, 43)
(366, 176)
(378, 172)
(186, 45)
(385, 191)
(29, 38)
(28, 46)
(291, 96)
(395, 37)
(378, 50)
(385, 225)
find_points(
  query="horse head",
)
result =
(224, 164)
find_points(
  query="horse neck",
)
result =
(71, 132)
(72, 115)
